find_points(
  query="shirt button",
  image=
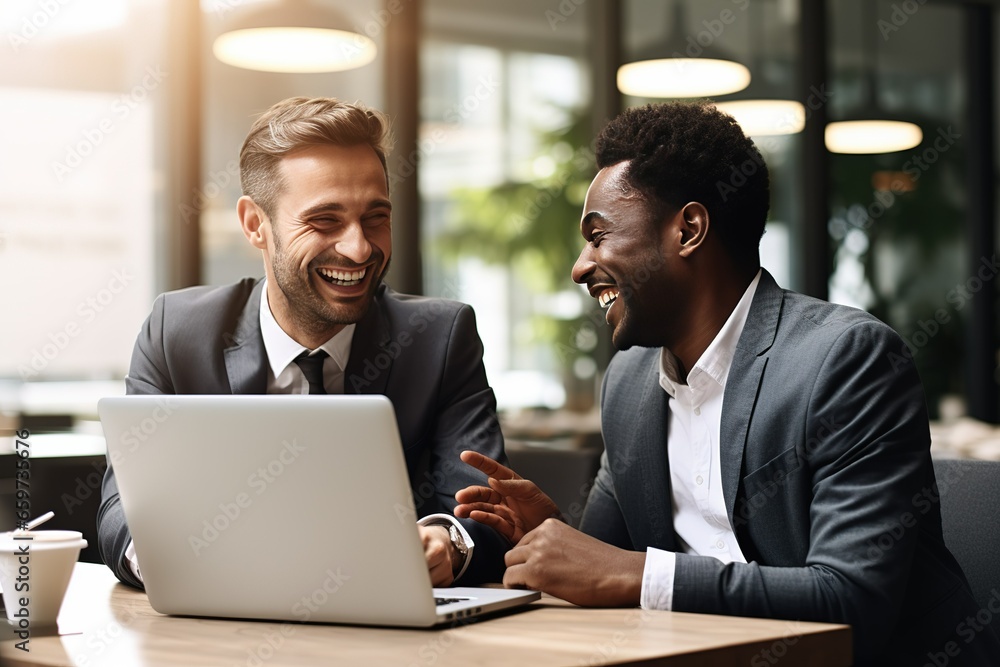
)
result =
(697, 412)
(699, 479)
(720, 544)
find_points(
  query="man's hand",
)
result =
(442, 557)
(562, 561)
(511, 505)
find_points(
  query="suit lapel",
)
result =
(649, 441)
(370, 362)
(743, 382)
(246, 359)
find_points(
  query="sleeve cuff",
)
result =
(132, 560)
(448, 520)
(658, 580)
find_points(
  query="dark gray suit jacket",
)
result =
(827, 479)
(424, 354)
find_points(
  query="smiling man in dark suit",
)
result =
(765, 452)
(316, 205)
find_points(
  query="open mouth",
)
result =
(607, 297)
(342, 278)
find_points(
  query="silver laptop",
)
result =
(278, 507)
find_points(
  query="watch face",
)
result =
(457, 540)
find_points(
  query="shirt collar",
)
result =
(281, 349)
(714, 362)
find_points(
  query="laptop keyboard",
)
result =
(441, 601)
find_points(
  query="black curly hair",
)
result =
(683, 152)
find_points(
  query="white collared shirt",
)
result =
(700, 519)
(285, 377)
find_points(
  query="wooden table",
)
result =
(116, 626)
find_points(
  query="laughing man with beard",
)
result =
(316, 206)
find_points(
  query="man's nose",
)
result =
(353, 244)
(584, 266)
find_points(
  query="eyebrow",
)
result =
(334, 206)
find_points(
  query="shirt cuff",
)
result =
(658, 580)
(448, 520)
(133, 560)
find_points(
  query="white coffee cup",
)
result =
(35, 568)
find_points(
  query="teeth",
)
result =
(343, 277)
(607, 298)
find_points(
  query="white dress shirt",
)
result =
(285, 377)
(701, 522)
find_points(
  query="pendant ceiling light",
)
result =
(868, 129)
(293, 36)
(685, 65)
(761, 108)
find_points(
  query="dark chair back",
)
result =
(970, 520)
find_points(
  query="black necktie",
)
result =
(312, 368)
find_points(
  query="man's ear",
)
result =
(253, 220)
(693, 223)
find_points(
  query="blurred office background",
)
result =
(120, 131)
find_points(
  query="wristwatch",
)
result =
(459, 543)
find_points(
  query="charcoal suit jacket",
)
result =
(424, 354)
(827, 479)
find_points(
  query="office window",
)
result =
(81, 93)
(898, 220)
(505, 164)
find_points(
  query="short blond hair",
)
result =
(298, 122)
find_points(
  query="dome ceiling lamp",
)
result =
(293, 36)
(683, 66)
(868, 130)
